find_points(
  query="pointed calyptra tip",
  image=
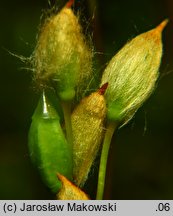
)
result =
(69, 191)
(69, 3)
(162, 25)
(103, 88)
(156, 33)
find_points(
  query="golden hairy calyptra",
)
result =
(62, 55)
(88, 126)
(132, 74)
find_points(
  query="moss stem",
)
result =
(111, 126)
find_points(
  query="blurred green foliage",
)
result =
(141, 164)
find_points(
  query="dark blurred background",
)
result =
(141, 160)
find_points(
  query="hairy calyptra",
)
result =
(62, 55)
(132, 74)
(88, 126)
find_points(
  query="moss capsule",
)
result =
(132, 74)
(62, 55)
(88, 127)
(48, 147)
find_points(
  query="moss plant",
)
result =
(65, 152)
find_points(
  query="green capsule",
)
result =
(48, 147)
